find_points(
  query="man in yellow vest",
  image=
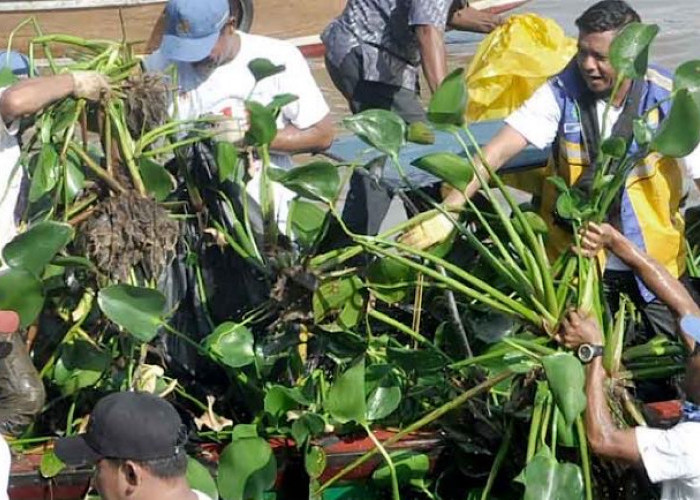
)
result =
(566, 113)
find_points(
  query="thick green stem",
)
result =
(585, 457)
(395, 495)
(498, 461)
(96, 169)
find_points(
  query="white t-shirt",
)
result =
(672, 457)
(5, 463)
(538, 121)
(10, 179)
(230, 84)
(201, 496)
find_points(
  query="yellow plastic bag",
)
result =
(512, 62)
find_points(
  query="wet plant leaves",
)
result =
(307, 221)
(50, 465)
(244, 468)
(226, 160)
(279, 400)
(687, 76)
(315, 462)
(390, 281)
(457, 171)
(567, 380)
(159, 183)
(137, 310)
(231, 344)
(79, 366)
(22, 292)
(449, 100)
(262, 68)
(383, 401)
(199, 478)
(629, 51)
(679, 133)
(318, 180)
(546, 479)
(263, 125)
(335, 296)
(33, 249)
(45, 174)
(345, 400)
(420, 133)
(411, 469)
(381, 129)
(75, 180)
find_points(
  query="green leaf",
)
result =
(687, 76)
(79, 366)
(315, 462)
(46, 173)
(560, 183)
(7, 77)
(263, 68)
(156, 178)
(449, 101)
(345, 400)
(50, 465)
(279, 400)
(642, 132)
(137, 310)
(239, 464)
(307, 426)
(381, 129)
(382, 402)
(420, 133)
(199, 478)
(615, 147)
(333, 296)
(570, 205)
(679, 133)
(532, 219)
(449, 167)
(546, 479)
(318, 180)
(629, 51)
(566, 436)
(263, 126)
(566, 381)
(411, 469)
(280, 101)
(307, 220)
(390, 280)
(226, 160)
(75, 181)
(231, 344)
(22, 292)
(37, 246)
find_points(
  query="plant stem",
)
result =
(498, 461)
(419, 424)
(96, 169)
(585, 457)
(389, 462)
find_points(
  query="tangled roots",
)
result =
(126, 232)
(147, 98)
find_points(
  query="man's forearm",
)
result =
(470, 19)
(431, 41)
(311, 140)
(30, 96)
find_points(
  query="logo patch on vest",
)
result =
(572, 128)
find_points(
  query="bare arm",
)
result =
(470, 19)
(431, 41)
(30, 96)
(310, 140)
(506, 144)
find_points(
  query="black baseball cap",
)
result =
(126, 425)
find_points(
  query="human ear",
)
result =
(131, 473)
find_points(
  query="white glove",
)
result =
(232, 123)
(90, 85)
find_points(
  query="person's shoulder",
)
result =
(265, 46)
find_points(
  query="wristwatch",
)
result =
(586, 352)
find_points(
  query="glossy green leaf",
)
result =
(199, 478)
(280, 101)
(449, 100)
(420, 133)
(318, 180)
(333, 296)
(546, 479)
(345, 400)
(566, 436)
(560, 183)
(532, 219)
(157, 180)
(226, 160)
(75, 181)
(615, 147)
(449, 167)
(79, 366)
(239, 463)
(262, 481)
(263, 68)
(307, 220)
(382, 402)
(279, 400)
(307, 426)
(50, 465)
(231, 344)
(46, 173)
(642, 132)
(679, 133)
(263, 125)
(33, 249)
(629, 51)
(567, 380)
(570, 205)
(411, 469)
(315, 462)
(687, 76)
(381, 129)
(137, 310)
(390, 280)
(22, 292)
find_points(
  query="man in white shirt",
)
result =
(212, 60)
(670, 457)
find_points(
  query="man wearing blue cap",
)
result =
(212, 58)
(670, 457)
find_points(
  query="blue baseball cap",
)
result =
(192, 28)
(16, 61)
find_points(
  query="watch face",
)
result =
(585, 353)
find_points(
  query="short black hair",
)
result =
(608, 15)
(162, 468)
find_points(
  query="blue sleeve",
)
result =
(429, 12)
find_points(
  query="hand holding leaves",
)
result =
(577, 328)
